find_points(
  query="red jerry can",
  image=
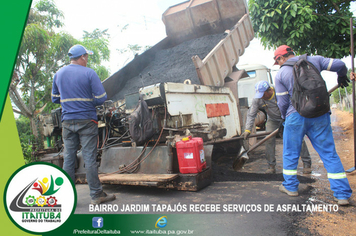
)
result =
(190, 152)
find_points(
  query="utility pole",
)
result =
(353, 89)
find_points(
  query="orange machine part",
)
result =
(218, 109)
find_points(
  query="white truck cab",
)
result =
(256, 72)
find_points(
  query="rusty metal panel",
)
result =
(186, 182)
(202, 11)
(232, 9)
(193, 182)
(53, 158)
(178, 14)
(184, 99)
(232, 55)
(158, 162)
(137, 179)
(208, 152)
(218, 64)
(196, 18)
(218, 109)
(237, 43)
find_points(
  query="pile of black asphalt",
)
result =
(223, 171)
(257, 165)
(172, 65)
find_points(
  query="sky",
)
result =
(143, 17)
(145, 27)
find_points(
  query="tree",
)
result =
(41, 54)
(315, 27)
(98, 42)
(131, 50)
(26, 137)
(340, 93)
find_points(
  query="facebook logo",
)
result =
(98, 222)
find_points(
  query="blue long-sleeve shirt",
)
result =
(284, 80)
(79, 90)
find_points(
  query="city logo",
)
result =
(98, 222)
(39, 197)
(161, 222)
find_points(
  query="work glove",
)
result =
(245, 135)
(343, 81)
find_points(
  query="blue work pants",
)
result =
(320, 134)
(271, 126)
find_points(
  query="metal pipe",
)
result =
(353, 89)
(333, 89)
(274, 133)
(241, 159)
(237, 138)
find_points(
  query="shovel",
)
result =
(241, 159)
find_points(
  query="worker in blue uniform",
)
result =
(318, 129)
(79, 90)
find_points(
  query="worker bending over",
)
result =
(265, 98)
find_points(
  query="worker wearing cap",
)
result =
(265, 98)
(79, 90)
(318, 129)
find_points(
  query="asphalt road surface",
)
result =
(247, 202)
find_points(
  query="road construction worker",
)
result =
(79, 90)
(265, 98)
(318, 129)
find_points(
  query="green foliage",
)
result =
(340, 92)
(96, 34)
(133, 49)
(40, 56)
(26, 137)
(98, 42)
(45, 13)
(313, 27)
(102, 72)
(50, 13)
(42, 52)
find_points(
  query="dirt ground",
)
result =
(343, 221)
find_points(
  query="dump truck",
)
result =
(189, 83)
